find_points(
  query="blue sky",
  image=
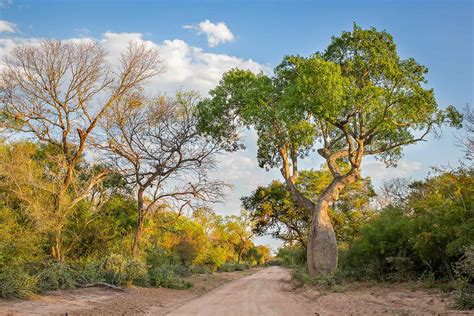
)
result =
(438, 34)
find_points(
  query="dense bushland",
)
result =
(423, 232)
(98, 236)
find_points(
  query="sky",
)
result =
(200, 40)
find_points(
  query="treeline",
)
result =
(409, 231)
(99, 234)
(406, 230)
(100, 182)
(99, 190)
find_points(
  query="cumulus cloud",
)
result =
(216, 33)
(7, 27)
(187, 67)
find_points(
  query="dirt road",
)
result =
(262, 293)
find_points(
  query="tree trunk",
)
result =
(321, 252)
(56, 249)
(321, 248)
(140, 224)
(137, 238)
(239, 255)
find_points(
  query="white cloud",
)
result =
(378, 171)
(216, 33)
(187, 67)
(7, 27)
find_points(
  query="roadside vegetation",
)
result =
(417, 231)
(104, 184)
(100, 185)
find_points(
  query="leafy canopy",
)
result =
(358, 96)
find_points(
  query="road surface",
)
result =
(262, 293)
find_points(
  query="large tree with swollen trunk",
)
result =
(357, 98)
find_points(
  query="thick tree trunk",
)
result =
(321, 248)
(322, 245)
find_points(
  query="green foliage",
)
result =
(120, 270)
(231, 267)
(334, 280)
(15, 282)
(275, 212)
(291, 256)
(165, 276)
(427, 232)
(57, 276)
(358, 81)
(463, 294)
(464, 284)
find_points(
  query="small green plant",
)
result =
(120, 270)
(231, 267)
(463, 294)
(428, 278)
(463, 285)
(135, 272)
(57, 276)
(16, 283)
(166, 277)
(334, 280)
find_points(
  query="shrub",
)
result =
(231, 267)
(119, 270)
(333, 280)
(166, 277)
(16, 283)
(89, 270)
(135, 272)
(57, 276)
(202, 269)
(112, 269)
(463, 294)
(290, 256)
(463, 285)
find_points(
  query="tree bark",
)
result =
(56, 251)
(321, 250)
(140, 223)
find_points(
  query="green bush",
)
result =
(231, 267)
(16, 283)
(165, 277)
(290, 256)
(332, 280)
(135, 272)
(57, 276)
(202, 269)
(463, 285)
(463, 294)
(89, 270)
(120, 270)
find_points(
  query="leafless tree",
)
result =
(156, 146)
(56, 91)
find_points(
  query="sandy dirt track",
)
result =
(263, 293)
(268, 291)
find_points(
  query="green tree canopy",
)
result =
(356, 98)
